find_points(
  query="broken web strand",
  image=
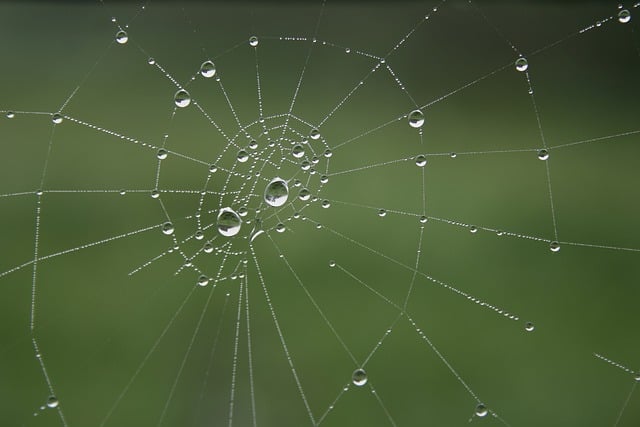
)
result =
(636, 378)
(334, 332)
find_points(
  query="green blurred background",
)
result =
(98, 327)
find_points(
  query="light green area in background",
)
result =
(95, 324)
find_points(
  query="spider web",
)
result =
(319, 214)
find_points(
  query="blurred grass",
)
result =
(96, 324)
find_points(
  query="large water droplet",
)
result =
(167, 228)
(416, 119)
(229, 222)
(243, 156)
(297, 151)
(182, 98)
(543, 154)
(481, 410)
(53, 402)
(359, 377)
(253, 41)
(276, 193)
(208, 69)
(624, 16)
(522, 64)
(122, 37)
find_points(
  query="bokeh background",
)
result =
(98, 327)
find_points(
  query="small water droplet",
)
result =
(162, 154)
(382, 213)
(297, 151)
(52, 402)
(39, 193)
(423, 219)
(421, 161)
(155, 194)
(122, 192)
(332, 263)
(416, 119)
(453, 155)
(314, 134)
(208, 69)
(182, 98)
(10, 114)
(276, 193)
(473, 229)
(529, 327)
(481, 410)
(253, 41)
(213, 168)
(522, 64)
(280, 228)
(57, 118)
(554, 246)
(347, 50)
(243, 156)
(624, 16)
(359, 377)
(199, 235)
(151, 61)
(203, 280)
(229, 222)
(326, 204)
(122, 37)
(305, 165)
(167, 228)
(328, 153)
(304, 194)
(208, 248)
(543, 154)
(324, 179)
(636, 376)
(253, 144)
